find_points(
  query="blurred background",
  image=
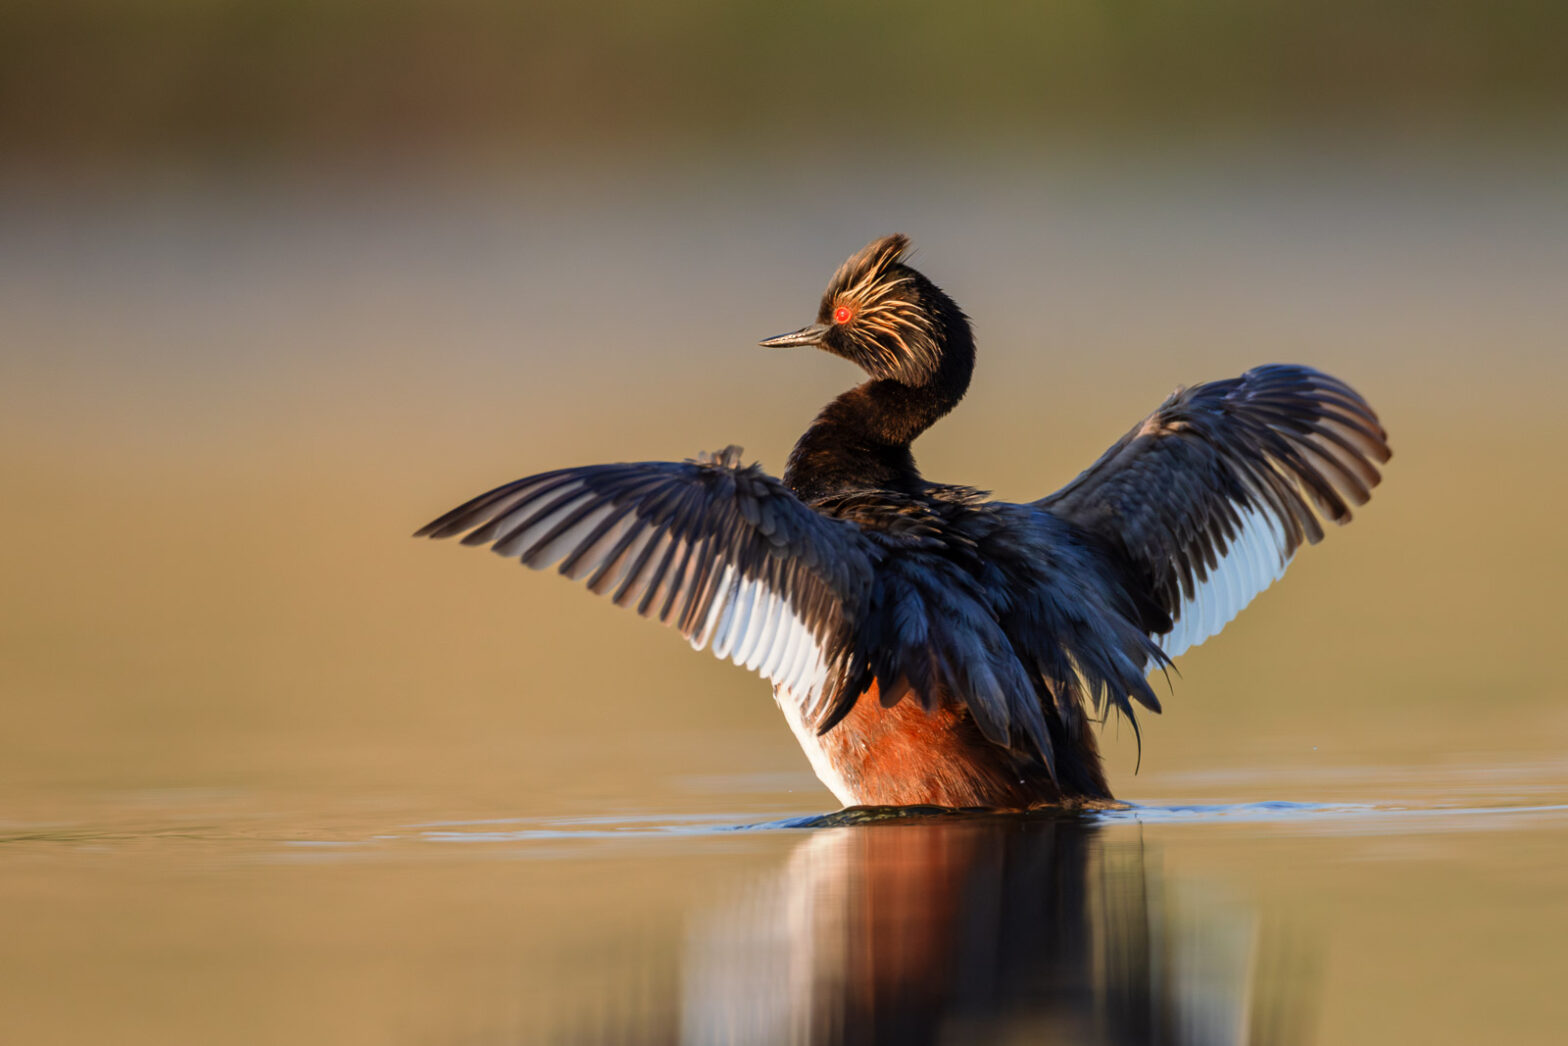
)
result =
(281, 281)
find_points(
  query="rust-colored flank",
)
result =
(906, 756)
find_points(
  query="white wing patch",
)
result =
(1256, 559)
(753, 626)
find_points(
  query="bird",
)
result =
(930, 646)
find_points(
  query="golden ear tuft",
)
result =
(867, 266)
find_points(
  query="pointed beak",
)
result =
(811, 335)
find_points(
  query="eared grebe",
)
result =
(929, 646)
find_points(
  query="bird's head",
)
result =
(883, 316)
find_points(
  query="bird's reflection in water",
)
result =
(986, 929)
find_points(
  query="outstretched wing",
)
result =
(1208, 499)
(726, 554)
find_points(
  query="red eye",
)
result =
(841, 315)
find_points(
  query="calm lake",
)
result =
(272, 771)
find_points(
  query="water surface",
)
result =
(188, 918)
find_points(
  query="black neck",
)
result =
(861, 440)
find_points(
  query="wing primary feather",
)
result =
(662, 580)
(637, 574)
(605, 537)
(623, 554)
(701, 605)
(526, 521)
(567, 534)
(683, 583)
(487, 505)
(673, 584)
(527, 505)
